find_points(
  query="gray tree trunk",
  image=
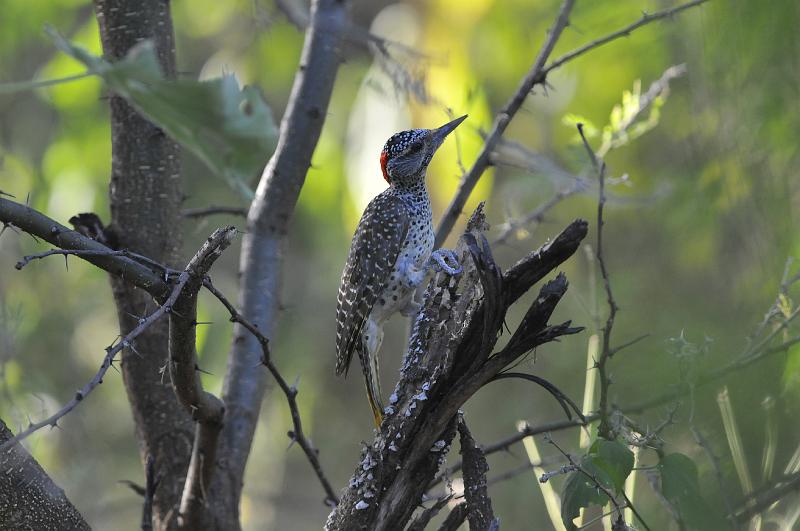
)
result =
(28, 497)
(145, 197)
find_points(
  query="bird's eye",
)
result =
(414, 148)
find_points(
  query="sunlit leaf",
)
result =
(230, 129)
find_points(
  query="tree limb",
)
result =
(298, 435)
(117, 263)
(263, 244)
(206, 409)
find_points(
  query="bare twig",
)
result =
(95, 252)
(501, 121)
(297, 435)
(646, 18)
(537, 75)
(537, 215)
(202, 212)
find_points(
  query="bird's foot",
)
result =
(440, 258)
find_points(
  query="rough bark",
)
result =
(263, 244)
(145, 198)
(449, 358)
(29, 500)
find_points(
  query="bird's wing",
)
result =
(373, 253)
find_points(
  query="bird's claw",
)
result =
(440, 258)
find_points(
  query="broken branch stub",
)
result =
(449, 357)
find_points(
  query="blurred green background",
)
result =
(696, 236)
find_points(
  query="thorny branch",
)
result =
(514, 154)
(108, 360)
(501, 121)
(297, 435)
(205, 409)
(604, 430)
(536, 76)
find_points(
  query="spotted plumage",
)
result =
(390, 255)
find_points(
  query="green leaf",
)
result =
(609, 463)
(230, 130)
(680, 486)
(613, 458)
(579, 491)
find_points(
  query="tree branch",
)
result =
(501, 121)
(205, 409)
(267, 225)
(111, 352)
(213, 210)
(604, 430)
(123, 264)
(536, 76)
(290, 392)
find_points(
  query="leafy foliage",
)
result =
(230, 129)
(608, 464)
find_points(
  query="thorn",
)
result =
(198, 369)
(66, 262)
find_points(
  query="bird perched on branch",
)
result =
(390, 255)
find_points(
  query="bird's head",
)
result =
(406, 155)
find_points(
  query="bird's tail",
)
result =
(373, 338)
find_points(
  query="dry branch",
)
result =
(501, 121)
(479, 504)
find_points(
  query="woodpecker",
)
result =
(390, 255)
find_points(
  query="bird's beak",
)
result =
(441, 133)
